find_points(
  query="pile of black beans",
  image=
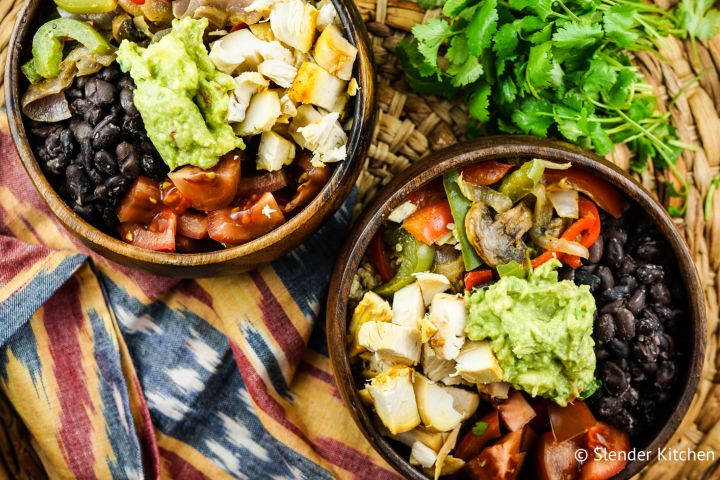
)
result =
(93, 158)
(632, 275)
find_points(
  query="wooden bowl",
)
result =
(494, 148)
(223, 262)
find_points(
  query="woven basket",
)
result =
(409, 126)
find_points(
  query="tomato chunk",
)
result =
(141, 203)
(429, 224)
(516, 412)
(210, 189)
(570, 421)
(472, 444)
(557, 460)
(501, 461)
(608, 450)
(485, 173)
(193, 225)
(264, 182)
(251, 220)
(427, 195)
(172, 198)
(158, 236)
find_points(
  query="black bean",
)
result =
(106, 135)
(110, 74)
(601, 354)
(625, 324)
(126, 100)
(567, 274)
(618, 348)
(126, 82)
(646, 350)
(616, 293)
(584, 278)
(650, 368)
(647, 324)
(650, 273)
(85, 211)
(153, 167)
(614, 253)
(133, 126)
(128, 159)
(617, 233)
(628, 266)
(659, 293)
(73, 93)
(608, 406)
(116, 186)
(596, 250)
(77, 183)
(630, 281)
(105, 162)
(665, 374)
(109, 216)
(630, 397)
(53, 145)
(613, 378)
(605, 328)
(93, 115)
(100, 191)
(82, 131)
(80, 106)
(636, 302)
(667, 344)
(649, 249)
(637, 373)
(100, 92)
(613, 307)
(57, 165)
(625, 421)
(607, 280)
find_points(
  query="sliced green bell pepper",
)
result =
(459, 206)
(415, 257)
(81, 7)
(29, 70)
(47, 44)
(521, 182)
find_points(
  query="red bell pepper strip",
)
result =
(379, 257)
(429, 223)
(601, 192)
(477, 277)
(486, 173)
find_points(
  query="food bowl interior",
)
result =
(508, 148)
(262, 250)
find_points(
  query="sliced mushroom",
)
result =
(498, 241)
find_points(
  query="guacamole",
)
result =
(540, 330)
(182, 98)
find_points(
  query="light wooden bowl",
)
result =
(498, 148)
(222, 262)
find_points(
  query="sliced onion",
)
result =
(561, 245)
(555, 166)
(51, 108)
(565, 202)
(478, 193)
(215, 16)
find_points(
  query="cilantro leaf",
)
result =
(600, 139)
(542, 8)
(453, 7)
(539, 67)
(479, 428)
(479, 102)
(534, 116)
(600, 76)
(571, 123)
(412, 63)
(618, 23)
(428, 4)
(482, 27)
(621, 91)
(577, 35)
(430, 36)
(458, 52)
(698, 18)
(505, 43)
(465, 73)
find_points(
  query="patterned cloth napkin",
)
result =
(121, 374)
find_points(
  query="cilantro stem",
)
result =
(568, 11)
(710, 197)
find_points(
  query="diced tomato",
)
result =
(540, 423)
(557, 460)
(601, 192)
(608, 448)
(210, 189)
(570, 421)
(515, 412)
(501, 461)
(312, 181)
(485, 173)
(472, 444)
(141, 203)
(379, 257)
(158, 236)
(138, 2)
(529, 439)
(185, 244)
(193, 225)
(172, 198)
(234, 28)
(259, 184)
(477, 277)
(429, 224)
(251, 220)
(427, 195)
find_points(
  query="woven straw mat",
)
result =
(410, 126)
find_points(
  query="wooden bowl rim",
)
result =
(345, 174)
(463, 154)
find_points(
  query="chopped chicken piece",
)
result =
(372, 307)
(465, 401)
(326, 139)
(422, 455)
(306, 114)
(262, 31)
(326, 15)
(427, 328)
(394, 399)
(451, 465)
(353, 88)
(293, 23)
(435, 405)
(374, 365)
(434, 440)
(431, 284)
(391, 342)
(495, 390)
(275, 51)
(444, 453)
(403, 211)
(316, 86)
(274, 152)
(234, 49)
(436, 369)
(248, 84)
(407, 306)
(288, 107)
(334, 53)
(366, 397)
(261, 114)
(279, 72)
(260, 6)
(477, 363)
(447, 313)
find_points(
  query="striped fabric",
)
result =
(120, 374)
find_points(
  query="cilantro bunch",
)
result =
(549, 67)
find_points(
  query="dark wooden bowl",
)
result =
(493, 148)
(223, 262)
